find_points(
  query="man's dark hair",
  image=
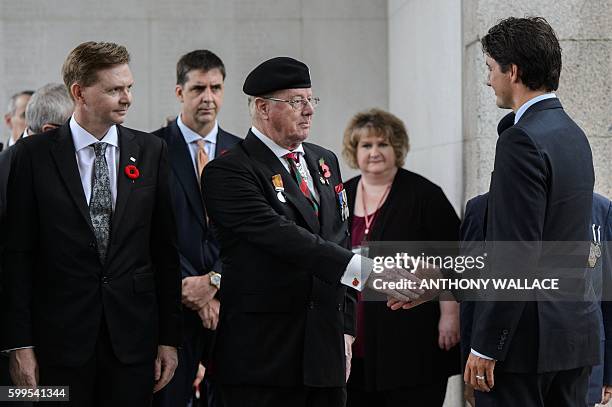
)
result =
(202, 59)
(531, 44)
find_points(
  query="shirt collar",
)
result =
(276, 149)
(191, 136)
(82, 138)
(531, 102)
(25, 133)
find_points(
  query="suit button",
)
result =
(339, 307)
(505, 332)
(92, 245)
(311, 304)
(105, 280)
(500, 347)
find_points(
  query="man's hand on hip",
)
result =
(165, 365)
(23, 367)
(197, 292)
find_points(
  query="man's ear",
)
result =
(48, 126)
(178, 91)
(514, 73)
(7, 121)
(76, 91)
(262, 107)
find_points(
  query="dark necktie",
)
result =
(293, 159)
(101, 204)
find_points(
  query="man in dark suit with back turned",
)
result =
(193, 139)
(92, 270)
(473, 230)
(278, 205)
(535, 353)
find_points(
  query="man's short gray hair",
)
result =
(51, 104)
(12, 104)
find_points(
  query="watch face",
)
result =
(216, 279)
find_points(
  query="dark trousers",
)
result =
(430, 394)
(302, 396)
(566, 388)
(103, 381)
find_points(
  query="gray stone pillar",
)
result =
(584, 29)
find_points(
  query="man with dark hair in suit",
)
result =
(193, 139)
(535, 353)
(279, 207)
(15, 115)
(91, 277)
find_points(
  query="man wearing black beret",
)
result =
(289, 284)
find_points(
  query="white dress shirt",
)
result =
(521, 110)
(192, 138)
(359, 267)
(85, 157)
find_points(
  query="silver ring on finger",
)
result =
(480, 377)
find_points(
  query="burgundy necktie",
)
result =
(293, 159)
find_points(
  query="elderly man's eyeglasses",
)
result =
(296, 104)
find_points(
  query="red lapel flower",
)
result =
(132, 172)
(324, 168)
(223, 151)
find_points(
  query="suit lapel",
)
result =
(65, 158)
(271, 163)
(182, 165)
(128, 148)
(222, 143)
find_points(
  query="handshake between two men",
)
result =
(405, 288)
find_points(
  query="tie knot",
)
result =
(293, 156)
(201, 143)
(99, 148)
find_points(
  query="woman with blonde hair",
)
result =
(400, 357)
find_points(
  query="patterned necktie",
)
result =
(201, 159)
(100, 204)
(294, 160)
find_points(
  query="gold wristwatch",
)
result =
(215, 279)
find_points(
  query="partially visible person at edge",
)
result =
(389, 203)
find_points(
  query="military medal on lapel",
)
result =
(341, 194)
(277, 181)
(595, 251)
(324, 172)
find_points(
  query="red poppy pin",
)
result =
(223, 152)
(132, 172)
(324, 171)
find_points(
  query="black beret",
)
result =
(276, 74)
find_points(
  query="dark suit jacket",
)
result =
(5, 165)
(57, 290)
(473, 230)
(541, 191)
(198, 250)
(283, 309)
(416, 210)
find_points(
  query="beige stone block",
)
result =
(586, 85)
(344, 9)
(478, 160)
(602, 162)
(30, 12)
(575, 19)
